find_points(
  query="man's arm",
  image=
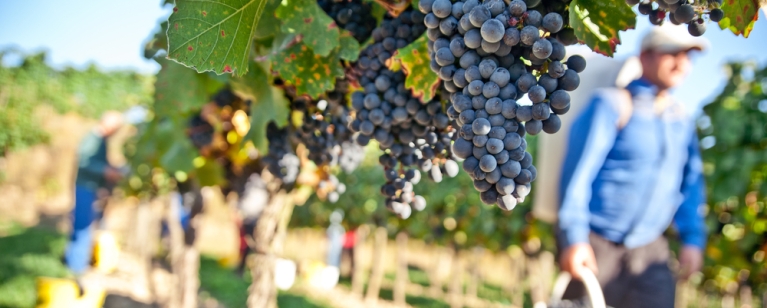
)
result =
(591, 138)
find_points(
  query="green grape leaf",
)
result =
(214, 35)
(310, 73)
(174, 147)
(600, 33)
(350, 48)
(415, 60)
(306, 18)
(739, 16)
(268, 104)
(178, 89)
(269, 25)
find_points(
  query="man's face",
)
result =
(665, 70)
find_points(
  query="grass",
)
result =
(26, 254)
(231, 290)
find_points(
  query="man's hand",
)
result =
(690, 261)
(577, 258)
(112, 174)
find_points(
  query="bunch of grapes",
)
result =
(489, 55)
(281, 161)
(414, 135)
(690, 12)
(354, 16)
(200, 131)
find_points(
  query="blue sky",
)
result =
(112, 33)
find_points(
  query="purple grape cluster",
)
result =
(489, 55)
(691, 12)
(415, 136)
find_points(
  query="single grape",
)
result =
(473, 38)
(497, 132)
(468, 59)
(490, 89)
(576, 63)
(494, 146)
(525, 82)
(487, 163)
(511, 169)
(442, 8)
(534, 18)
(482, 185)
(645, 8)
(480, 141)
(552, 124)
(457, 46)
(462, 148)
(507, 203)
(500, 76)
(511, 37)
(492, 31)
(559, 99)
(541, 111)
(542, 48)
(478, 15)
(444, 56)
(684, 14)
(431, 21)
(548, 83)
(524, 177)
(496, 6)
(517, 8)
(448, 26)
(493, 105)
(487, 67)
(475, 87)
(536, 94)
(529, 35)
(696, 27)
(480, 126)
(489, 47)
(552, 22)
(716, 15)
(470, 165)
(505, 186)
(569, 81)
(457, 10)
(556, 69)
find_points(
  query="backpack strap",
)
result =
(624, 106)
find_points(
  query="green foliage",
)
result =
(304, 17)
(597, 22)
(178, 89)
(736, 175)
(415, 60)
(26, 255)
(88, 92)
(740, 16)
(214, 35)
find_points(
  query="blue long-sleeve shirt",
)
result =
(629, 184)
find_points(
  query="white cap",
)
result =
(672, 39)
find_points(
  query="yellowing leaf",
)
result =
(415, 60)
(739, 16)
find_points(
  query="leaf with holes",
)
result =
(415, 60)
(310, 73)
(306, 18)
(214, 35)
(268, 103)
(597, 22)
(739, 16)
(178, 89)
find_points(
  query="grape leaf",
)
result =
(349, 49)
(600, 33)
(214, 35)
(305, 17)
(739, 16)
(178, 89)
(268, 104)
(269, 25)
(310, 73)
(174, 147)
(415, 60)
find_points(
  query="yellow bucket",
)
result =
(106, 252)
(64, 293)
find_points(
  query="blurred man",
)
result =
(93, 174)
(632, 168)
